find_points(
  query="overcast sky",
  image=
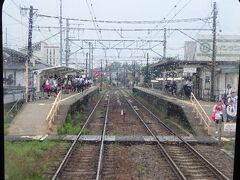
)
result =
(131, 10)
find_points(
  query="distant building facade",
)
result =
(48, 54)
(228, 48)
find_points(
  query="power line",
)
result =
(120, 40)
(180, 10)
(195, 40)
(94, 21)
(15, 19)
(174, 16)
(112, 29)
(15, 4)
(167, 22)
(172, 9)
(127, 22)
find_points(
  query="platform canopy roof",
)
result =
(200, 63)
(56, 70)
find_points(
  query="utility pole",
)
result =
(164, 43)
(124, 76)
(147, 78)
(60, 21)
(213, 52)
(89, 64)
(6, 38)
(67, 49)
(134, 72)
(86, 64)
(92, 64)
(101, 77)
(29, 53)
(117, 76)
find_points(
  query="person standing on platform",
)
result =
(174, 88)
(232, 108)
(217, 115)
(188, 87)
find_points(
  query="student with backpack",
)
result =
(217, 115)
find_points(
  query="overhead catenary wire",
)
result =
(114, 29)
(127, 22)
(195, 40)
(165, 21)
(15, 4)
(15, 19)
(173, 18)
(94, 23)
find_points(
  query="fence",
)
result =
(53, 111)
(204, 118)
(8, 116)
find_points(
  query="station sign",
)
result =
(229, 127)
(227, 47)
(189, 70)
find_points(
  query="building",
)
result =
(48, 54)
(227, 72)
(14, 67)
(190, 48)
(228, 48)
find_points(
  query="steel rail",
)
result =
(74, 142)
(197, 154)
(168, 158)
(102, 143)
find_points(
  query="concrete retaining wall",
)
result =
(171, 109)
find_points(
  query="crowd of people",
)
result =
(186, 89)
(52, 85)
(225, 110)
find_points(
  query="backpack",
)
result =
(218, 115)
(225, 98)
(81, 81)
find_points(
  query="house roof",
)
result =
(13, 59)
(200, 63)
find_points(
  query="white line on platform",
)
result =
(43, 137)
(70, 97)
(32, 137)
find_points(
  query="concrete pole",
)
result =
(29, 49)
(89, 63)
(101, 77)
(86, 64)
(67, 42)
(164, 43)
(60, 21)
(213, 53)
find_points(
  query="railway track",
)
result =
(120, 125)
(80, 161)
(109, 160)
(185, 161)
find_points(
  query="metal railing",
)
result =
(14, 109)
(204, 118)
(53, 111)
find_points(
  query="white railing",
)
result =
(204, 118)
(53, 111)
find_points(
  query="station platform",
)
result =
(187, 107)
(31, 119)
